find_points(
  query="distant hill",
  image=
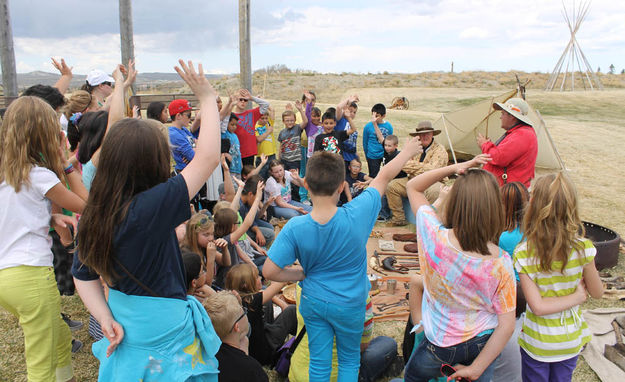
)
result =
(25, 80)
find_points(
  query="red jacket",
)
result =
(516, 153)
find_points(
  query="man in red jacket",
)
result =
(514, 153)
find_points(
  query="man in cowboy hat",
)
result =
(433, 156)
(514, 153)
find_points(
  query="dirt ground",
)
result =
(588, 129)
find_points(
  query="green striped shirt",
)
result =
(559, 336)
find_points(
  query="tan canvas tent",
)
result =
(460, 128)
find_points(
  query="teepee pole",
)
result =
(451, 146)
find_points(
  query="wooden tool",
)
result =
(616, 353)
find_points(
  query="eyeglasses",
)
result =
(239, 319)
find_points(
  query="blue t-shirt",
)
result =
(146, 245)
(373, 148)
(508, 242)
(235, 152)
(348, 147)
(182, 145)
(333, 255)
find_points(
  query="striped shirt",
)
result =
(558, 336)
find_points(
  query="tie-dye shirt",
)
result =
(463, 294)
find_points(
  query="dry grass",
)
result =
(587, 127)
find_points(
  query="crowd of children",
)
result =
(177, 220)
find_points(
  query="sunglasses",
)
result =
(107, 83)
(448, 371)
(239, 319)
(242, 100)
(205, 219)
(188, 115)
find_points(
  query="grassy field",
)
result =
(587, 127)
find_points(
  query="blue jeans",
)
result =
(378, 356)
(426, 360)
(287, 213)
(325, 321)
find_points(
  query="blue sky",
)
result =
(325, 36)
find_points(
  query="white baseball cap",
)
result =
(97, 76)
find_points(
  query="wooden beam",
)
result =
(245, 53)
(9, 75)
(126, 34)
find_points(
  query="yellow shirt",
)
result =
(268, 145)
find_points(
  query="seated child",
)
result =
(231, 324)
(200, 239)
(195, 276)
(391, 143)
(333, 270)
(266, 337)
(330, 139)
(279, 188)
(226, 228)
(356, 181)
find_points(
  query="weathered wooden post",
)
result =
(9, 75)
(125, 33)
(245, 54)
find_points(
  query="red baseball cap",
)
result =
(178, 106)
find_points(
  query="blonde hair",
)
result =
(220, 205)
(551, 224)
(78, 102)
(223, 308)
(242, 278)
(473, 210)
(30, 136)
(199, 222)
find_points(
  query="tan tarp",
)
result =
(460, 128)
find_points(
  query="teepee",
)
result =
(574, 57)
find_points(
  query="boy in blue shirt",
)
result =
(333, 271)
(236, 164)
(373, 136)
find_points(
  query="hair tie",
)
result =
(75, 118)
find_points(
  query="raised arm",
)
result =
(227, 108)
(376, 128)
(251, 215)
(390, 170)
(116, 106)
(300, 107)
(66, 75)
(207, 149)
(416, 186)
(345, 103)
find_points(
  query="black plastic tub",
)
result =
(607, 243)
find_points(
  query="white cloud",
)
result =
(474, 33)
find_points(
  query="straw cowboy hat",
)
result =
(425, 127)
(516, 107)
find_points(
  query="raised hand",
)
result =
(289, 106)
(118, 73)
(477, 161)
(196, 80)
(352, 98)
(260, 186)
(131, 74)
(244, 93)
(414, 146)
(298, 105)
(62, 67)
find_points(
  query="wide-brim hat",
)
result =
(516, 107)
(425, 127)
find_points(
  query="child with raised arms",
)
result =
(333, 270)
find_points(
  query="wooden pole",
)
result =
(9, 75)
(126, 35)
(245, 54)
